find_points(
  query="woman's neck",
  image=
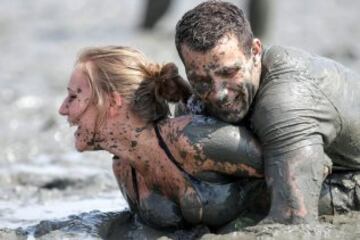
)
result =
(137, 143)
(128, 136)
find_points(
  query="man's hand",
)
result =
(295, 180)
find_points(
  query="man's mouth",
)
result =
(226, 106)
(230, 103)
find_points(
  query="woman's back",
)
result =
(215, 191)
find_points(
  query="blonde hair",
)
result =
(146, 86)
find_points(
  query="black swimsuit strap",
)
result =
(166, 149)
(194, 181)
(135, 184)
(168, 153)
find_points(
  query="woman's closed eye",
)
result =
(72, 97)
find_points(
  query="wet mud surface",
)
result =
(116, 225)
(338, 227)
(49, 191)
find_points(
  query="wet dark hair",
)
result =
(203, 26)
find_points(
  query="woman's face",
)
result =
(80, 109)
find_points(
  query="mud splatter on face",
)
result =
(133, 144)
(79, 110)
(222, 76)
(202, 86)
(225, 96)
(146, 165)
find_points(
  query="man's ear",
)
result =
(256, 50)
(116, 102)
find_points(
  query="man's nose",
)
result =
(64, 109)
(219, 92)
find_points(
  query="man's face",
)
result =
(224, 78)
(80, 110)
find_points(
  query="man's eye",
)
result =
(228, 73)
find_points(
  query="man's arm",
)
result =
(295, 180)
(232, 149)
(203, 144)
(293, 122)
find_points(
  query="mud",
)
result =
(42, 177)
(338, 227)
(114, 225)
(214, 136)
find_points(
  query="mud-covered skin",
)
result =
(155, 208)
(220, 203)
(225, 199)
(203, 137)
(213, 196)
(306, 115)
(150, 176)
(79, 110)
(224, 78)
(306, 112)
(217, 143)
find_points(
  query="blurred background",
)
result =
(42, 176)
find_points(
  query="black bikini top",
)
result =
(166, 149)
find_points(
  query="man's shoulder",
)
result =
(281, 48)
(284, 57)
(294, 72)
(275, 55)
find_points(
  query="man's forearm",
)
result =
(295, 180)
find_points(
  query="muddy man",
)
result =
(304, 109)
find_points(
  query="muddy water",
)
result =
(43, 180)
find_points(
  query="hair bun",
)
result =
(169, 70)
(170, 85)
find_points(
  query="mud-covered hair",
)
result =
(203, 26)
(146, 86)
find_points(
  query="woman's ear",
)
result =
(116, 101)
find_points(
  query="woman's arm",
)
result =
(124, 175)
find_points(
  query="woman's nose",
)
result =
(63, 110)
